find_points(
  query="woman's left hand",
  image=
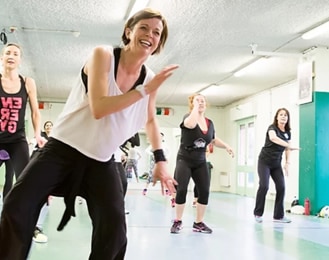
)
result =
(229, 150)
(41, 141)
(286, 169)
(161, 174)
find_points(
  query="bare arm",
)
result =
(192, 119)
(35, 112)
(275, 139)
(221, 144)
(97, 68)
(153, 133)
(286, 166)
(152, 127)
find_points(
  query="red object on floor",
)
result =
(307, 206)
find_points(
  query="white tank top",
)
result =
(99, 138)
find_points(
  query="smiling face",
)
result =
(145, 35)
(11, 57)
(48, 126)
(146, 25)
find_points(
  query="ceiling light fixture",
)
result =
(272, 53)
(138, 5)
(74, 33)
(316, 31)
(252, 66)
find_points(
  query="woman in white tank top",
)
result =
(105, 108)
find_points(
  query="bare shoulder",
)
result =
(100, 57)
(30, 84)
(102, 51)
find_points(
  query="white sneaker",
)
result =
(282, 220)
(39, 237)
(258, 219)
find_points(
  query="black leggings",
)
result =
(195, 190)
(50, 171)
(198, 171)
(19, 157)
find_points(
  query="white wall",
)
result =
(264, 106)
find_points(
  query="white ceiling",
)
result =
(209, 39)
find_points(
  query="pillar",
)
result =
(314, 136)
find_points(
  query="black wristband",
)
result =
(159, 156)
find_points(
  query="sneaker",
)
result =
(173, 203)
(201, 227)
(282, 220)
(259, 219)
(176, 227)
(39, 236)
(144, 192)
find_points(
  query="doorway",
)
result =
(246, 157)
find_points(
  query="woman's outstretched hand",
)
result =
(161, 174)
(159, 78)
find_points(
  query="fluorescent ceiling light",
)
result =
(74, 33)
(254, 66)
(138, 5)
(210, 90)
(321, 29)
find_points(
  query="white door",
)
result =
(246, 157)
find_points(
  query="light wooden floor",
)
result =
(235, 236)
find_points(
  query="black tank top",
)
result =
(12, 114)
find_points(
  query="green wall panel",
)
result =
(322, 149)
(314, 156)
(306, 154)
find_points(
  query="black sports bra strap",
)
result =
(117, 52)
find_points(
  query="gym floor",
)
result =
(235, 233)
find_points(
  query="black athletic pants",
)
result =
(265, 171)
(50, 171)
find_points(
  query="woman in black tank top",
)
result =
(15, 91)
(197, 132)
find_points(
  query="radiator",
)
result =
(224, 179)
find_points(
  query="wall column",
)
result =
(314, 137)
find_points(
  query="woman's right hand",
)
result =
(159, 78)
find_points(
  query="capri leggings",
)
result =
(198, 171)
